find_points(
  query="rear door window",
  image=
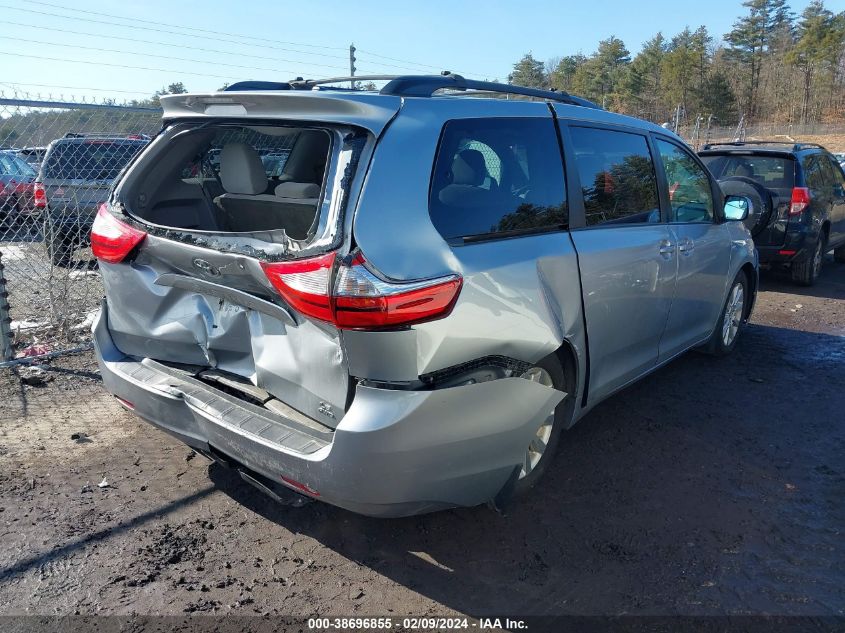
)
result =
(617, 176)
(814, 177)
(838, 178)
(497, 178)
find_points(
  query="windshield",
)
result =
(773, 172)
(11, 165)
(90, 160)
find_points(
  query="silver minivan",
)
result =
(408, 308)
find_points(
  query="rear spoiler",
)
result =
(372, 112)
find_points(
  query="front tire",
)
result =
(731, 322)
(839, 254)
(806, 273)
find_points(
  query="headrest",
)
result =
(241, 169)
(469, 168)
(744, 170)
(298, 190)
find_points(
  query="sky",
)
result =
(125, 50)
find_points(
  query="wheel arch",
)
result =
(568, 358)
(753, 281)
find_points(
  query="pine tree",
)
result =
(529, 72)
(645, 81)
(561, 76)
(749, 40)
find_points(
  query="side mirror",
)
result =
(737, 208)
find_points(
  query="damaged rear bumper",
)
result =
(394, 452)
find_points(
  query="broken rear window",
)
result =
(236, 179)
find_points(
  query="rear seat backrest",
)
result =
(300, 200)
(247, 208)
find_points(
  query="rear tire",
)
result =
(732, 320)
(807, 272)
(549, 369)
(59, 246)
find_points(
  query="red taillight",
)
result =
(362, 300)
(800, 200)
(39, 196)
(111, 239)
(355, 298)
(304, 284)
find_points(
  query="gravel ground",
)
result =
(714, 486)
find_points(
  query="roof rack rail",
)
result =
(427, 85)
(420, 86)
(795, 145)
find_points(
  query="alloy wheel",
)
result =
(540, 442)
(733, 314)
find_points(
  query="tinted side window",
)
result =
(497, 176)
(828, 173)
(690, 196)
(813, 175)
(617, 177)
(838, 178)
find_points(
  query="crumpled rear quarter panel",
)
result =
(300, 363)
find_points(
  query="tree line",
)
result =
(773, 66)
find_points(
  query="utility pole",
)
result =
(352, 65)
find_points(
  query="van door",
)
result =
(704, 249)
(627, 254)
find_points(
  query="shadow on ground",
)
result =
(713, 486)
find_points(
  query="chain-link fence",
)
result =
(57, 163)
(700, 132)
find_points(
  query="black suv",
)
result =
(798, 198)
(73, 181)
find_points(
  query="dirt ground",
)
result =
(714, 486)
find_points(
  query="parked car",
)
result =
(799, 192)
(32, 155)
(16, 178)
(414, 315)
(74, 179)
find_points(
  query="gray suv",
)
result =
(407, 314)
